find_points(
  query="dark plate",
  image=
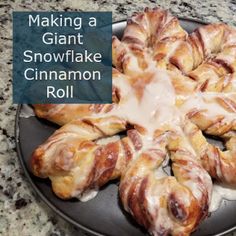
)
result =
(102, 215)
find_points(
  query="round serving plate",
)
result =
(104, 214)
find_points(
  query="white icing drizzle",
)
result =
(206, 102)
(157, 108)
(160, 108)
(26, 111)
(163, 170)
(88, 195)
(160, 173)
(103, 141)
(219, 193)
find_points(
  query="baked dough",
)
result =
(168, 88)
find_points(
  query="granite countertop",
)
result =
(21, 211)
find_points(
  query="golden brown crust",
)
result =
(193, 79)
(166, 205)
(221, 165)
(73, 146)
(64, 113)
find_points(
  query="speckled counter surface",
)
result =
(21, 211)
